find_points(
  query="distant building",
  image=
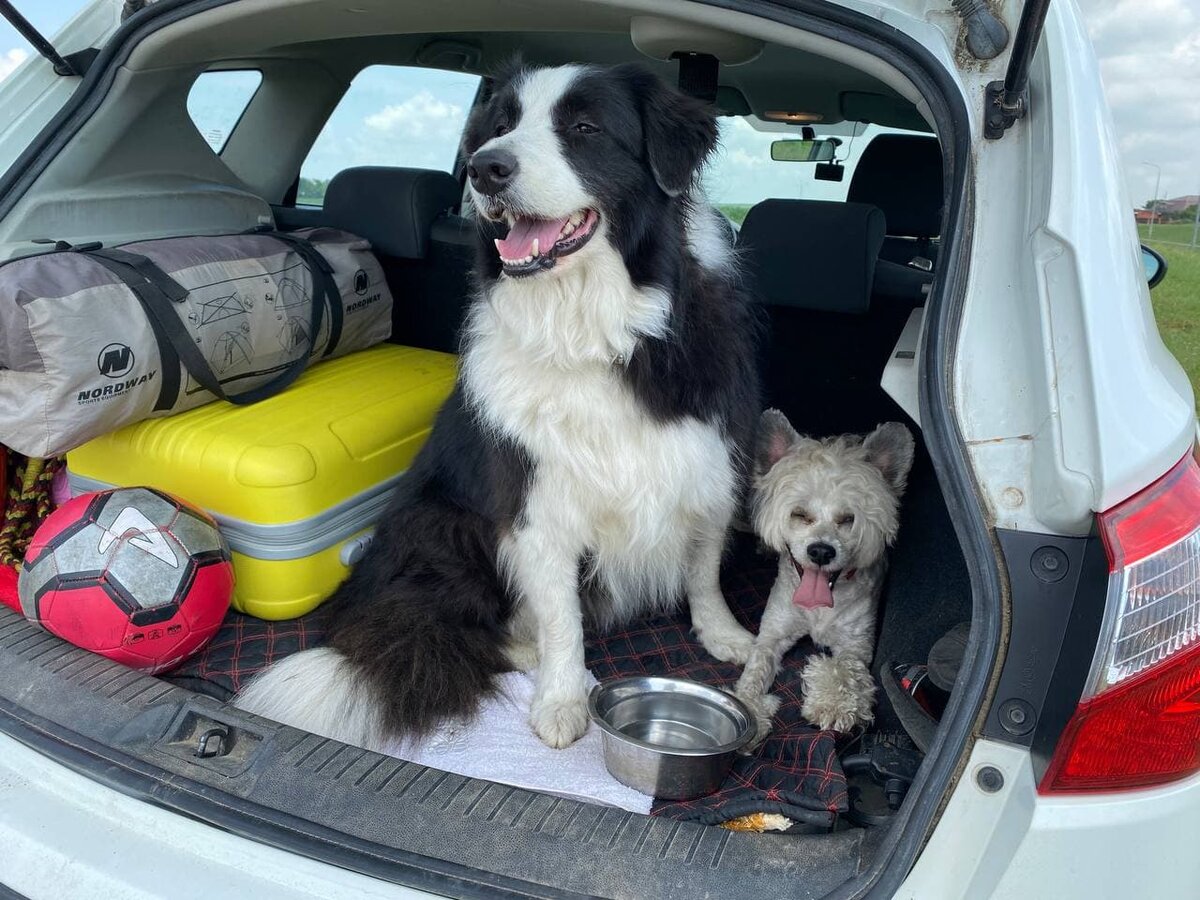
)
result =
(1143, 216)
(1176, 205)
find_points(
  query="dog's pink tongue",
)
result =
(519, 242)
(814, 590)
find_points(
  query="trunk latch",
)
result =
(212, 743)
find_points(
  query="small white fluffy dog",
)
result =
(830, 508)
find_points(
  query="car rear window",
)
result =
(218, 99)
(741, 171)
(390, 116)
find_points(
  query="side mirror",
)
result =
(817, 151)
(1154, 266)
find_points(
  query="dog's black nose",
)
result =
(491, 170)
(821, 553)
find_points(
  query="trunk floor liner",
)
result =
(795, 773)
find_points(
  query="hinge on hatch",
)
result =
(133, 6)
(1006, 101)
(1000, 110)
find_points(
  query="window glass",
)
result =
(217, 100)
(390, 116)
(741, 171)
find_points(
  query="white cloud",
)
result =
(742, 159)
(421, 115)
(10, 60)
(1149, 53)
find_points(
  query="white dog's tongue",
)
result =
(814, 590)
(521, 236)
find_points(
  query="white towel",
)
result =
(498, 745)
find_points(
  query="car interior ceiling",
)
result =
(838, 281)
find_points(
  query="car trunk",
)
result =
(461, 836)
(369, 811)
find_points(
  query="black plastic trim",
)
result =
(1074, 663)
(1058, 587)
(81, 60)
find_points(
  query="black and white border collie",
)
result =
(593, 453)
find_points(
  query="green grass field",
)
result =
(1175, 232)
(735, 211)
(1177, 304)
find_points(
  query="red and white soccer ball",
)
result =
(132, 573)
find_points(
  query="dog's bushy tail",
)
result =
(417, 635)
(318, 691)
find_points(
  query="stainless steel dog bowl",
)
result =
(669, 738)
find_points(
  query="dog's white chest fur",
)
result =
(544, 368)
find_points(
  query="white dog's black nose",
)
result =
(490, 171)
(821, 553)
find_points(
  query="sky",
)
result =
(1149, 52)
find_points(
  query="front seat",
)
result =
(902, 175)
(812, 264)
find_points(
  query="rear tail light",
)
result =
(1138, 723)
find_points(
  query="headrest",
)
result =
(392, 208)
(812, 254)
(902, 175)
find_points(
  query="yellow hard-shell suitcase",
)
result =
(297, 481)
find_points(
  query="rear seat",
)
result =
(425, 249)
(812, 264)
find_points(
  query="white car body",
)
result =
(1076, 408)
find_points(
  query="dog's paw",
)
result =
(729, 643)
(763, 707)
(838, 694)
(559, 720)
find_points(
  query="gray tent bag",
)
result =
(94, 338)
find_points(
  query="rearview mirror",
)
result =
(1154, 266)
(818, 151)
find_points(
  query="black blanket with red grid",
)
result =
(795, 773)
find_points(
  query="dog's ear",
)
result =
(506, 70)
(890, 449)
(679, 130)
(776, 437)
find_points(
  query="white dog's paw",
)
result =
(838, 694)
(730, 643)
(763, 707)
(559, 720)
